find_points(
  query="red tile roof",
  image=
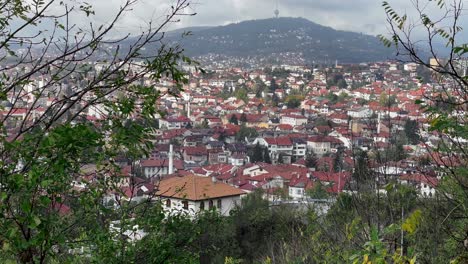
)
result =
(195, 188)
(196, 151)
(178, 164)
(420, 178)
(280, 141)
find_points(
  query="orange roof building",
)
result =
(192, 194)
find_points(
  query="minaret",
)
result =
(171, 160)
(188, 107)
(378, 124)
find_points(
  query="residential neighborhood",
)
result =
(281, 129)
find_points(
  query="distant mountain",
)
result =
(179, 31)
(276, 37)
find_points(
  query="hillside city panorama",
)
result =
(270, 140)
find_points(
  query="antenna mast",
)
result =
(276, 10)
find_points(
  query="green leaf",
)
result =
(3, 196)
(45, 200)
(46, 183)
(37, 221)
(25, 206)
(411, 223)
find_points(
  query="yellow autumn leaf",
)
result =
(366, 260)
(412, 222)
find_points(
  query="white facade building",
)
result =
(191, 194)
(293, 120)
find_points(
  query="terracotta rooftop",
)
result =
(178, 164)
(195, 188)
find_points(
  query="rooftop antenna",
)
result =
(276, 10)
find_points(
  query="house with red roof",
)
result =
(339, 118)
(298, 186)
(426, 185)
(277, 146)
(157, 167)
(361, 112)
(284, 127)
(16, 113)
(382, 137)
(192, 194)
(197, 154)
(321, 145)
(176, 122)
(293, 120)
(334, 182)
(253, 120)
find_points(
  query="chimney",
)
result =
(213, 179)
(171, 160)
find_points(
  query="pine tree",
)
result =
(205, 124)
(243, 118)
(257, 155)
(281, 158)
(338, 160)
(233, 120)
(275, 100)
(311, 160)
(266, 156)
(411, 131)
(273, 86)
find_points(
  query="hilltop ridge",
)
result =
(274, 36)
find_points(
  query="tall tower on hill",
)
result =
(276, 10)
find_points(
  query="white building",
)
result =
(293, 120)
(175, 122)
(159, 167)
(299, 148)
(191, 194)
(321, 145)
(426, 185)
(360, 113)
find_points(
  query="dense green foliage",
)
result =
(246, 132)
(58, 169)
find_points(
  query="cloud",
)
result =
(351, 15)
(366, 16)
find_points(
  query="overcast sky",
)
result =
(366, 16)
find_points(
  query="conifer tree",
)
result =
(266, 156)
(257, 154)
(233, 120)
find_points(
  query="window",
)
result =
(202, 205)
(219, 204)
(210, 204)
(168, 203)
(185, 204)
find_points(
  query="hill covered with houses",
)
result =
(281, 39)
